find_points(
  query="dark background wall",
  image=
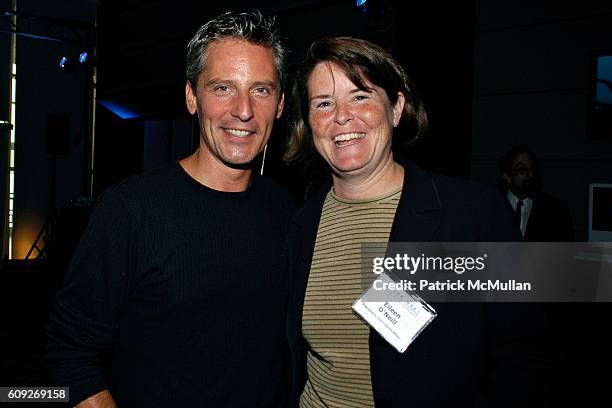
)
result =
(532, 73)
(42, 89)
(5, 44)
(492, 75)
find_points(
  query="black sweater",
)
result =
(184, 288)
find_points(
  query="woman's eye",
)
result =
(323, 104)
(361, 97)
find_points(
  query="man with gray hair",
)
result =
(180, 276)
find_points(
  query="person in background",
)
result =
(540, 217)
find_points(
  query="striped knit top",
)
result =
(338, 361)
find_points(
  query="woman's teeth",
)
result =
(348, 136)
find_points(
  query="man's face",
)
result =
(522, 178)
(237, 99)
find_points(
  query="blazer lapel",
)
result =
(302, 239)
(418, 214)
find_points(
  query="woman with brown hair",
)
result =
(350, 100)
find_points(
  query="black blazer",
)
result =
(472, 354)
(549, 220)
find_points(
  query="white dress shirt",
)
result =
(525, 211)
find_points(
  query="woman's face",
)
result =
(352, 129)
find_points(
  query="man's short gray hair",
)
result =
(251, 26)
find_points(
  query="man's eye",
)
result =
(262, 91)
(221, 88)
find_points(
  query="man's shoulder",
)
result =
(547, 199)
(145, 186)
(274, 191)
(271, 185)
(148, 179)
(125, 202)
(309, 210)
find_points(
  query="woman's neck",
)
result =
(388, 179)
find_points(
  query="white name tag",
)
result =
(399, 319)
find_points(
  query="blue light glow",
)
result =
(603, 92)
(82, 57)
(119, 110)
(63, 61)
(360, 3)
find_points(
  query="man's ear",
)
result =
(506, 177)
(281, 105)
(190, 98)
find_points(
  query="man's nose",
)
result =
(242, 107)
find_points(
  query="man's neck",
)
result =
(211, 172)
(521, 195)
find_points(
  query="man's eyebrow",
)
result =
(215, 81)
(265, 82)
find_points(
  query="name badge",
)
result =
(399, 319)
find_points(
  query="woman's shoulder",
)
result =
(447, 190)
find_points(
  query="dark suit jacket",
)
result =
(549, 220)
(472, 354)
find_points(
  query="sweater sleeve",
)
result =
(84, 319)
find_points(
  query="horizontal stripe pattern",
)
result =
(338, 361)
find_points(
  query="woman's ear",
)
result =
(398, 108)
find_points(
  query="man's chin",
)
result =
(531, 187)
(240, 163)
(240, 166)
